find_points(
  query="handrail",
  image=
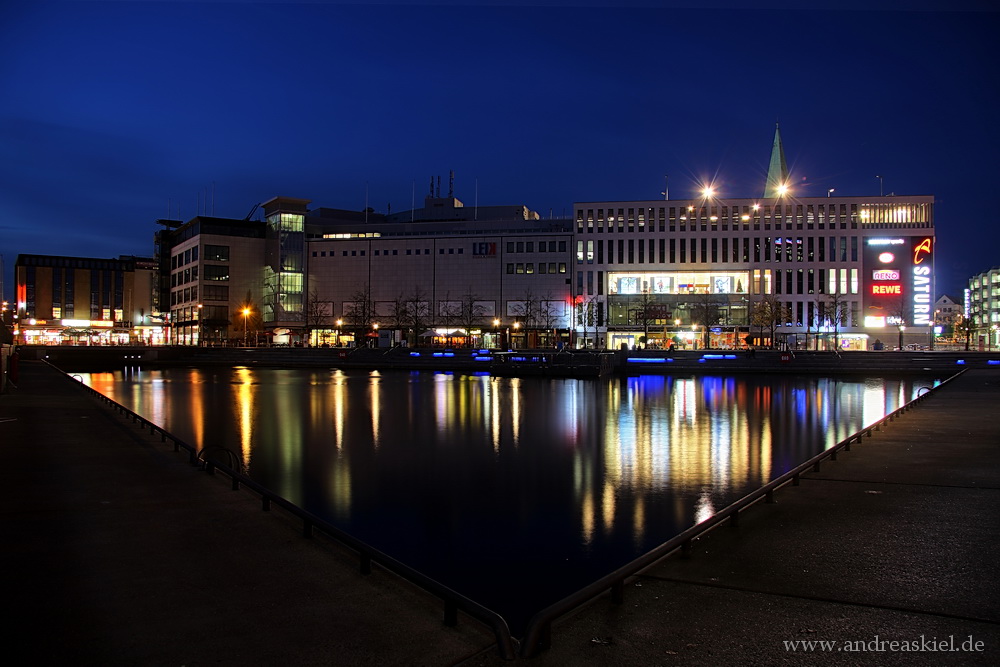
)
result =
(453, 601)
(538, 634)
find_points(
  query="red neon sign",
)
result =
(892, 290)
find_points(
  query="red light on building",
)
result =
(884, 289)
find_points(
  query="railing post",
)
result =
(734, 519)
(618, 592)
(686, 549)
(795, 479)
(769, 496)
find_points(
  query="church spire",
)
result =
(777, 170)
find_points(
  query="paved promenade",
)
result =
(118, 552)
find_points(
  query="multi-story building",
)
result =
(983, 308)
(445, 272)
(85, 300)
(809, 271)
(211, 272)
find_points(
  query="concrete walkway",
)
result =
(118, 552)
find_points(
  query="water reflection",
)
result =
(513, 491)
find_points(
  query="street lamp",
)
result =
(246, 318)
(199, 324)
(496, 325)
(517, 325)
(339, 323)
(902, 328)
(375, 337)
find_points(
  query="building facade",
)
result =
(983, 309)
(832, 270)
(85, 301)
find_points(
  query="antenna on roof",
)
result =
(431, 193)
(451, 184)
(438, 195)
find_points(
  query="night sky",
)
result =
(115, 114)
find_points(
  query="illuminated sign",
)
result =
(922, 282)
(886, 258)
(891, 290)
(921, 250)
(886, 241)
(885, 274)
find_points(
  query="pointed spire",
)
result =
(777, 170)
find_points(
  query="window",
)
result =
(219, 253)
(216, 272)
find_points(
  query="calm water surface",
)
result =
(513, 491)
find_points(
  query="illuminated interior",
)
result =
(679, 282)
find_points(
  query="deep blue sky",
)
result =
(113, 114)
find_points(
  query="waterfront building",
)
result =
(806, 272)
(444, 273)
(780, 269)
(983, 308)
(85, 301)
(211, 278)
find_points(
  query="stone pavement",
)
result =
(117, 551)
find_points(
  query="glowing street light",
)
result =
(246, 319)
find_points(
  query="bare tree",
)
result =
(360, 312)
(317, 313)
(705, 311)
(415, 313)
(836, 312)
(768, 313)
(643, 313)
(527, 311)
(586, 315)
(965, 326)
(547, 313)
(470, 312)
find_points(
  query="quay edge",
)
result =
(526, 362)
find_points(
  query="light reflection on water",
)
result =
(514, 491)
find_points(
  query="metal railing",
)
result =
(453, 601)
(539, 630)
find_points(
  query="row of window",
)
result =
(691, 217)
(715, 250)
(530, 267)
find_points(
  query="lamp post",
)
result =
(246, 319)
(375, 337)
(496, 326)
(902, 328)
(517, 325)
(199, 324)
(339, 323)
